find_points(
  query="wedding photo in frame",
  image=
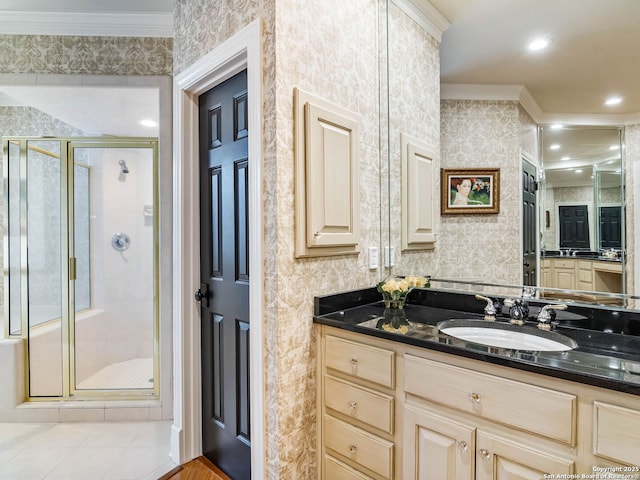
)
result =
(469, 191)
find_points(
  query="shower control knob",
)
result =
(120, 242)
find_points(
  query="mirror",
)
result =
(497, 134)
(582, 244)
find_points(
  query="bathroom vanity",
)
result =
(423, 404)
(587, 272)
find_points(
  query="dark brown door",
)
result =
(224, 266)
(529, 257)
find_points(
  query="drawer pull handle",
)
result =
(353, 449)
(354, 365)
(474, 397)
(463, 445)
(353, 405)
(485, 453)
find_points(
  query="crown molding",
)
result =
(87, 24)
(458, 91)
(425, 15)
(585, 119)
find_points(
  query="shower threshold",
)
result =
(130, 374)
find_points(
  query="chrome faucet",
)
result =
(518, 310)
(546, 315)
(489, 309)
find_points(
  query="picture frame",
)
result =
(469, 191)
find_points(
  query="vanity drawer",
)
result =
(564, 263)
(507, 401)
(360, 361)
(373, 408)
(584, 265)
(336, 470)
(585, 276)
(616, 432)
(361, 447)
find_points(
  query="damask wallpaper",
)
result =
(483, 134)
(85, 55)
(28, 121)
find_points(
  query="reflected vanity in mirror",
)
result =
(582, 235)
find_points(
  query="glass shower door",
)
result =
(80, 264)
(113, 294)
(46, 252)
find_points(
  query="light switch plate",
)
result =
(373, 258)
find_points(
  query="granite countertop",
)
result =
(603, 357)
(580, 256)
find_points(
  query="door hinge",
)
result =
(72, 268)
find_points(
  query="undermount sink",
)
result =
(506, 335)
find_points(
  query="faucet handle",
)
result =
(489, 309)
(518, 310)
(546, 315)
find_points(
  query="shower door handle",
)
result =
(202, 295)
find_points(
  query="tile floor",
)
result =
(84, 451)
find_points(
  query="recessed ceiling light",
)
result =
(565, 158)
(148, 123)
(613, 101)
(555, 146)
(538, 44)
(557, 126)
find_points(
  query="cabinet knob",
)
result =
(463, 445)
(353, 405)
(354, 365)
(485, 453)
(474, 397)
(353, 449)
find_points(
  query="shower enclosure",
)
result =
(80, 264)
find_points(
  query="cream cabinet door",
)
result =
(502, 459)
(436, 447)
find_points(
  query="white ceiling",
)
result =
(594, 51)
(115, 111)
(594, 54)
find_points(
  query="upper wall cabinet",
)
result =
(327, 178)
(418, 195)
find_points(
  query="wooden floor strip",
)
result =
(200, 468)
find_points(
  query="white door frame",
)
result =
(242, 50)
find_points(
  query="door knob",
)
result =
(202, 295)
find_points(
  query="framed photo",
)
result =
(470, 191)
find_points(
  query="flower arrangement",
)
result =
(395, 290)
